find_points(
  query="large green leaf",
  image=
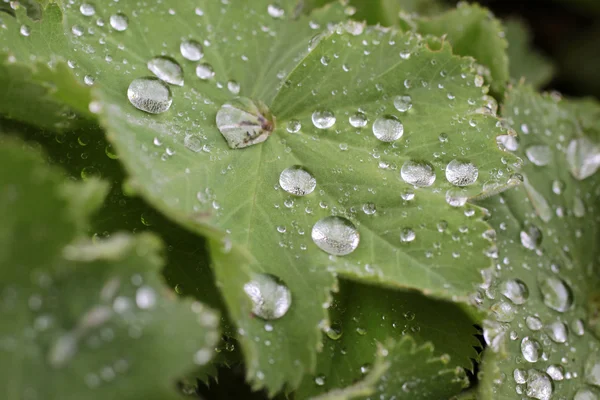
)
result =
(546, 277)
(81, 318)
(180, 163)
(437, 346)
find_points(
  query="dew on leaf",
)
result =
(591, 369)
(538, 201)
(150, 95)
(515, 290)
(293, 126)
(89, 80)
(585, 394)
(531, 237)
(275, 11)
(358, 120)
(233, 87)
(558, 187)
(520, 376)
(297, 180)
(407, 235)
(166, 69)
(320, 380)
(583, 158)
(417, 173)
(334, 332)
(461, 173)
(556, 293)
(388, 128)
(557, 331)
(191, 50)
(533, 323)
(335, 235)
(503, 311)
(456, 197)
(578, 207)
(87, 9)
(323, 119)
(25, 30)
(369, 208)
(205, 71)
(539, 385)
(244, 123)
(403, 103)
(556, 372)
(531, 349)
(119, 22)
(407, 194)
(577, 327)
(539, 155)
(271, 299)
(77, 30)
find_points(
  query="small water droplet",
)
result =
(297, 180)
(323, 119)
(583, 157)
(520, 376)
(417, 173)
(25, 30)
(150, 95)
(531, 237)
(558, 332)
(585, 394)
(403, 103)
(293, 126)
(533, 323)
(461, 173)
(358, 120)
(166, 69)
(87, 9)
(233, 87)
(540, 155)
(407, 235)
(244, 123)
(369, 208)
(578, 207)
(557, 294)
(270, 298)
(119, 22)
(531, 349)
(556, 372)
(320, 380)
(515, 290)
(407, 194)
(205, 71)
(335, 235)
(592, 369)
(456, 197)
(388, 128)
(334, 332)
(275, 11)
(191, 50)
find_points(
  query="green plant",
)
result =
(347, 196)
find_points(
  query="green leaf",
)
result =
(180, 163)
(81, 318)
(473, 31)
(526, 62)
(363, 316)
(547, 238)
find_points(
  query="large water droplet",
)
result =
(323, 119)
(558, 332)
(403, 103)
(531, 237)
(515, 290)
(591, 369)
(417, 173)
(557, 294)
(271, 299)
(539, 385)
(531, 349)
(191, 50)
(335, 235)
(388, 128)
(540, 154)
(119, 22)
(244, 123)
(583, 157)
(166, 69)
(297, 181)
(150, 95)
(461, 173)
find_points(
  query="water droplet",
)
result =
(293, 126)
(297, 181)
(577, 327)
(150, 95)
(539, 385)
(407, 235)
(531, 237)
(456, 198)
(271, 299)
(531, 349)
(558, 332)
(417, 173)
(166, 69)
(504, 311)
(578, 207)
(77, 30)
(320, 380)
(539, 203)
(591, 369)
(358, 120)
(323, 119)
(191, 50)
(87, 9)
(540, 155)
(585, 394)
(25, 30)
(244, 123)
(556, 372)
(335, 235)
(583, 157)
(233, 87)
(515, 290)
(533, 323)
(520, 376)
(275, 11)
(89, 80)
(369, 208)
(205, 71)
(461, 173)
(388, 128)
(557, 294)
(334, 332)
(119, 22)
(407, 194)
(403, 103)
(558, 187)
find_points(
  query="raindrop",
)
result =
(456, 198)
(334, 332)
(77, 30)
(531, 349)
(407, 194)
(417, 173)
(591, 370)
(119, 22)
(558, 332)
(531, 237)
(538, 201)
(520, 376)
(335, 235)
(275, 11)
(407, 235)
(461, 173)
(293, 126)
(504, 311)
(578, 207)
(388, 128)
(515, 290)
(270, 298)
(191, 50)
(585, 394)
(556, 293)
(205, 71)
(323, 119)
(25, 30)
(89, 80)
(166, 69)
(233, 87)
(244, 123)
(539, 385)
(150, 95)
(403, 103)
(297, 180)
(583, 157)
(87, 9)
(540, 155)
(533, 323)
(358, 120)
(320, 380)
(556, 372)
(369, 208)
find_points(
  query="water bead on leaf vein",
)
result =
(335, 235)
(166, 69)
